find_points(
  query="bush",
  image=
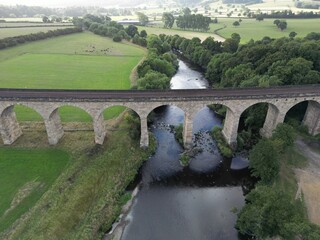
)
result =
(117, 38)
(223, 146)
(178, 130)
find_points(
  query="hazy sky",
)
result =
(60, 3)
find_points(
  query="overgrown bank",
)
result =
(87, 196)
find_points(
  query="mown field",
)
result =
(252, 29)
(25, 176)
(77, 61)
(16, 31)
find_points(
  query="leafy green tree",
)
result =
(168, 20)
(154, 80)
(132, 30)
(236, 23)
(269, 213)
(260, 18)
(186, 11)
(143, 33)
(282, 25)
(285, 133)
(45, 19)
(264, 161)
(292, 34)
(143, 19)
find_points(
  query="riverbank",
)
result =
(86, 198)
(309, 178)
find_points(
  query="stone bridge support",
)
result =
(230, 128)
(144, 138)
(187, 130)
(273, 118)
(312, 118)
(9, 127)
(99, 129)
(54, 127)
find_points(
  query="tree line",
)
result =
(187, 21)
(285, 14)
(13, 41)
(104, 26)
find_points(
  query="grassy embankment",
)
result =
(77, 61)
(84, 182)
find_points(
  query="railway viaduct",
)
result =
(47, 102)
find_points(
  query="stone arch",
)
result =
(76, 106)
(311, 116)
(144, 137)
(10, 129)
(55, 127)
(187, 119)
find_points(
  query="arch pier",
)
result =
(47, 102)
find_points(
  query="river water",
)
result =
(197, 202)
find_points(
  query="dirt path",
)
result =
(309, 178)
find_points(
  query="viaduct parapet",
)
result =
(47, 102)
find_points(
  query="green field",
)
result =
(187, 34)
(12, 32)
(252, 29)
(77, 61)
(25, 176)
(87, 189)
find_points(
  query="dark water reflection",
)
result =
(187, 203)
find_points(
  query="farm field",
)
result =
(16, 31)
(77, 61)
(252, 29)
(20, 188)
(187, 34)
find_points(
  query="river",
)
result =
(198, 202)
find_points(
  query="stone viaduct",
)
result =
(47, 102)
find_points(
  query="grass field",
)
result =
(86, 195)
(77, 61)
(25, 175)
(12, 32)
(187, 34)
(252, 29)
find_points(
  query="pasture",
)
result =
(77, 61)
(16, 31)
(25, 176)
(252, 29)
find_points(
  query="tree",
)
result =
(259, 18)
(264, 161)
(168, 20)
(143, 19)
(292, 34)
(154, 80)
(285, 133)
(143, 34)
(186, 11)
(236, 23)
(276, 22)
(268, 213)
(282, 25)
(132, 30)
(45, 19)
